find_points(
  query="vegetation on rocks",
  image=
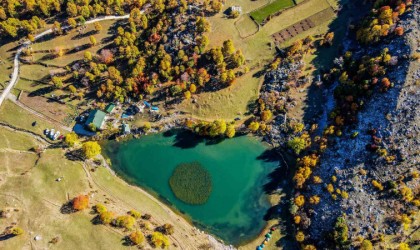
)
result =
(191, 183)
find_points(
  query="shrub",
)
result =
(100, 208)
(147, 217)
(254, 126)
(125, 221)
(106, 217)
(330, 188)
(297, 219)
(80, 202)
(297, 144)
(377, 185)
(159, 240)
(317, 179)
(191, 183)
(266, 115)
(135, 214)
(136, 237)
(16, 231)
(406, 221)
(340, 233)
(300, 237)
(314, 199)
(404, 246)
(366, 245)
(167, 229)
(406, 193)
(300, 200)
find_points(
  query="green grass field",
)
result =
(261, 14)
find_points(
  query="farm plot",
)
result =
(260, 15)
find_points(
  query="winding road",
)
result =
(15, 74)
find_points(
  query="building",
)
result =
(109, 108)
(97, 118)
(236, 8)
(126, 129)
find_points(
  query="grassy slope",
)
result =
(12, 114)
(38, 197)
(233, 101)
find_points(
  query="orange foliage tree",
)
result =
(81, 202)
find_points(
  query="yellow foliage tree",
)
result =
(300, 200)
(91, 149)
(159, 240)
(300, 237)
(71, 139)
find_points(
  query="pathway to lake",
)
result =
(236, 207)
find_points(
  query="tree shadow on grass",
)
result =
(6, 237)
(41, 91)
(67, 208)
(83, 35)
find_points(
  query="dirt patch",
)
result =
(48, 107)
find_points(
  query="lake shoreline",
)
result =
(168, 205)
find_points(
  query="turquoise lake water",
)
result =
(236, 207)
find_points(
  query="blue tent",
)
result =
(147, 104)
(155, 108)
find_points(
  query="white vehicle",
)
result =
(52, 131)
(56, 135)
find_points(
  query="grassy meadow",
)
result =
(261, 14)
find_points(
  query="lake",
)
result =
(236, 207)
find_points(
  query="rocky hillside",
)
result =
(381, 190)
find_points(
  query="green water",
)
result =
(236, 207)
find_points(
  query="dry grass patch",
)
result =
(16, 116)
(15, 140)
(62, 113)
(246, 26)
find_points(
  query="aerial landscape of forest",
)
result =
(209, 124)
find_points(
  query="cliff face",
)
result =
(392, 118)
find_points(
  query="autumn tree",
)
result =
(230, 131)
(71, 139)
(159, 240)
(202, 25)
(88, 56)
(80, 202)
(254, 126)
(297, 144)
(57, 82)
(107, 56)
(16, 231)
(100, 208)
(399, 31)
(136, 237)
(228, 49)
(98, 27)
(106, 217)
(72, 22)
(125, 221)
(91, 149)
(266, 115)
(92, 40)
(366, 245)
